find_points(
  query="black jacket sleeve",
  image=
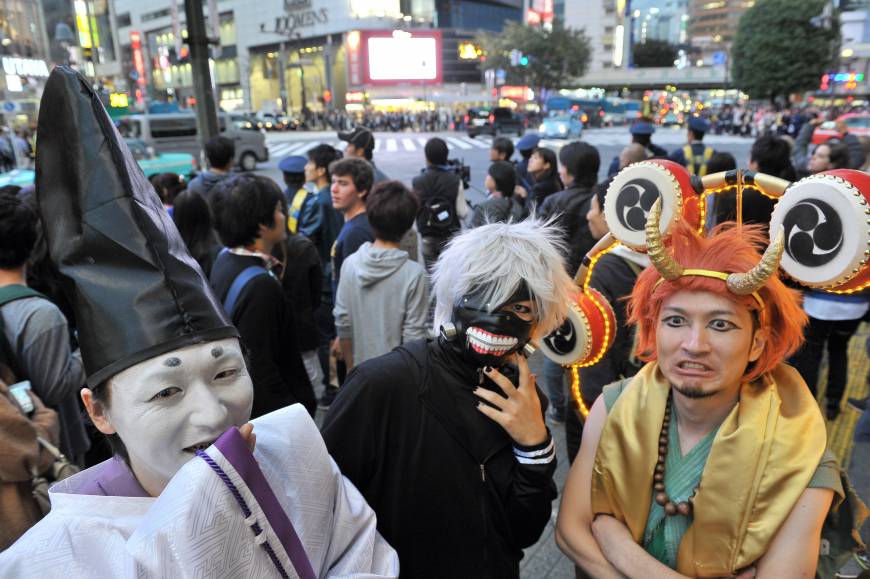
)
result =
(530, 503)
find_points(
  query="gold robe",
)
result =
(764, 455)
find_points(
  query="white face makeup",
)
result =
(167, 407)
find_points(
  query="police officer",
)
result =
(694, 155)
(641, 132)
(293, 169)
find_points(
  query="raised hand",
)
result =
(519, 410)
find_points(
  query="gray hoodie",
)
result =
(381, 302)
(205, 182)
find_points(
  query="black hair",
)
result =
(839, 154)
(391, 210)
(581, 161)
(697, 135)
(772, 155)
(358, 170)
(294, 181)
(192, 217)
(549, 157)
(505, 176)
(220, 152)
(721, 161)
(644, 140)
(369, 147)
(243, 203)
(504, 146)
(168, 186)
(18, 230)
(436, 151)
(323, 155)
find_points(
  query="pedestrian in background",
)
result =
(382, 298)
(221, 153)
(168, 186)
(501, 206)
(192, 217)
(544, 170)
(298, 197)
(578, 168)
(34, 332)
(250, 216)
(442, 202)
(351, 182)
(321, 222)
(502, 149)
(694, 155)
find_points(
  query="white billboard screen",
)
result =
(402, 58)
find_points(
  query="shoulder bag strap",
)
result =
(239, 284)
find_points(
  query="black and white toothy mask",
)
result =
(486, 335)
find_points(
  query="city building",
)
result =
(277, 55)
(24, 56)
(712, 26)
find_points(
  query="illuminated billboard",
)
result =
(400, 56)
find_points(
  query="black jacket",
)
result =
(614, 277)
(570, 207)
(449, 493)
(266, 325)
(542, 189)
(498, 210)
(433, 186)
(302, 282)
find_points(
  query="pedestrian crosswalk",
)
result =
(458, 142)
(389, 145)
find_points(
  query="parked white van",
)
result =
(176, 133)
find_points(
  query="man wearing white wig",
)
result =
(188, 493)
(446, 438)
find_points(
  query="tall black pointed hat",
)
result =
(136, 291)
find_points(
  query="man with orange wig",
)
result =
(711, 461)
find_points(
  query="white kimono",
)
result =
(216, 518)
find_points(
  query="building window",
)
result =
(155, 15)
(124, 20)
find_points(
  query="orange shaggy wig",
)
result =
(731, 249)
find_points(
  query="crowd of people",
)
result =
(201, 352)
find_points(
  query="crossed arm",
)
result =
(603, 547)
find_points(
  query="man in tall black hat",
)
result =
(187, 493)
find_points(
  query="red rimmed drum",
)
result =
(634, 190)
(586, 334)
(826, 219)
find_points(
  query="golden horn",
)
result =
(655, 246)
(753, 280)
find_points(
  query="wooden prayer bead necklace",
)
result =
(661, 496)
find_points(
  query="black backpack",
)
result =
(439, 217)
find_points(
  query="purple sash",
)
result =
(233, 447)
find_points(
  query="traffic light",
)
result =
(524, 60)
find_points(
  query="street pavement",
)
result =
(400, 155)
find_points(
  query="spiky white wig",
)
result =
(496, 258)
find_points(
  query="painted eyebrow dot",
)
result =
(217, 352)
(172, 362)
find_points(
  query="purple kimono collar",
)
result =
(110, 478)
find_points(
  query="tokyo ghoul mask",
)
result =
(485, 335)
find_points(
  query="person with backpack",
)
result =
(694, 155)
(250, 217)
(35, 333)
(442, 202)
(446, 438)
